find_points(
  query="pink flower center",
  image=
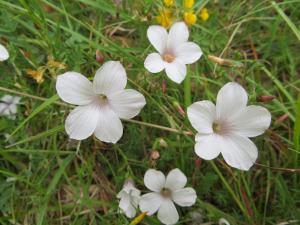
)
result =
(168, 57)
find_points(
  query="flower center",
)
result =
(102, 99)
(168, 58)
(217, 128)
(166, 193)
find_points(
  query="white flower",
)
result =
(174, 51)
(226, 127)
(3, 53)
(129, 198)
(166, 191)
(8, 106)
(223, 221)
(101, 103)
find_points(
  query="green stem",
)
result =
(236, 199)
(187, 88)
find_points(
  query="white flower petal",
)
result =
(130, 211)
(109, 127)
(74, 88)
(154, 180)
(185, 197)
(202, 115)
(178, 34)
(111, 77)
(208, 146)
(231, 98)
(239, 152)
(167, 212)
(124, 202)
(8, 106)
(82, 121)
(154, 63)
(127, 103)
(176, 71)
(4, 55)
(158, 37)
(188, 52)
(251, 121)
(150, 203)
(223, 221)
(175, 180)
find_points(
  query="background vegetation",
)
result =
(45, 178)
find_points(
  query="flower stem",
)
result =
(173, 130)
(235, 197)
(187, 88)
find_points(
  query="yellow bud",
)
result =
(190, 18)
(204, 15)
(168, 3)
(188, 4)
(138, 219)
(165, 18)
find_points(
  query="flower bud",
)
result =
(99, 56)
(154, 154)
(264, 98)
(179, 108)
(282, 118)
(162, 143)
(190, 18)
(168, 3)
(188, 4)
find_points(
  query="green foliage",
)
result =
(45, 178)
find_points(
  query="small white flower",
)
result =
(8, 106)
(101, 103)
(4, 55)
(166, 191)
(223, 221)
(174, 51)
(226, 127)
(129, 199)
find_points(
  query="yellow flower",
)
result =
(190, 18)
(168, 3)
(138, 219)
(188, 4)
(165, 18)
(204, 15)
(38, 74)
(55, 64)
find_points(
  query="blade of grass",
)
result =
(52, 186)
(287, 20)
(39, 109)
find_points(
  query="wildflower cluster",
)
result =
(169, 13)
(223, 128)
(165, 191)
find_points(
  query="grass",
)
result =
(45, 178)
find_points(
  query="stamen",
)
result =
(166, 193)
(103, 99)
(168, 58)
(216, 127)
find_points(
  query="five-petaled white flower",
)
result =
(4, 55)
(226, 127)
(101, 103)
(166, 191)
(174, 51)
(8, 106)
(129, 198)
